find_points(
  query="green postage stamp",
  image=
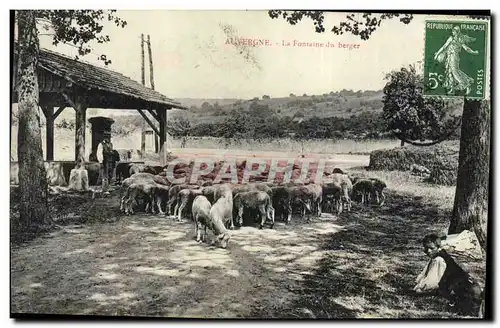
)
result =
(455, 58)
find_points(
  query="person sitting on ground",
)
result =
(444, 275)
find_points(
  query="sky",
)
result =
(192, 60)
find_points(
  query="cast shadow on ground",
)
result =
(370, 266)
(148, 265)
(153, 269)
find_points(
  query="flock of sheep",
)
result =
(217, 206)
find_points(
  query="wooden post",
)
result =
(151, 76)
(162, 115)
(143, 81)
(143, 74)
(81, 114)
(78, 178)
(59, 111)
(48, 111)
(162, 119)
(152, 82)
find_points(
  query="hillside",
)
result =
(342, 114)
(197, 102)
(334, 104)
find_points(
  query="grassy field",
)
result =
(290, 145)
(64, 144)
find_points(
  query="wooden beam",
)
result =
(143, 81)
(80, 124)
(155, 135)
(162, 113)
(151, 76)
(143, 139)
(152, 112)
(59, 111)
(80, 120)
(152, 82)
(148, 121)
(143, 76)
(69, 100)
(44, 108)
(48, 111)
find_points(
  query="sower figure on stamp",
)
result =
(444, 275)
(105, 156)
(449, 54)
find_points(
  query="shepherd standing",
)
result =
(105, 156)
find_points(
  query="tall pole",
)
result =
(143, 81)
(143, 74)
(151, 76)
(152, 81)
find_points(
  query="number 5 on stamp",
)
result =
(455, 59)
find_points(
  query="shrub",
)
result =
(401, 158)
(443, 174)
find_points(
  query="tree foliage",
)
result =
(179, 127)
(411, 116)
(206, 105)
(79, 27)
(244, 125)
(359, 24)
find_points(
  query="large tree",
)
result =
(180, 127)
(411, 116)
(78, 27)
(33, 207)
(470, 210)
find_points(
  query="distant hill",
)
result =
(197, 102)
(344, 103)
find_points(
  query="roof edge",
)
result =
(169, 103)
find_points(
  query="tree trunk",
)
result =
(33, 206)
(470, 210)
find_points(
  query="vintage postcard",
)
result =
(250, 164)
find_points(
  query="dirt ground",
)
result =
(361, 264)
(147, 265)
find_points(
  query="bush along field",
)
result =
(441, 160)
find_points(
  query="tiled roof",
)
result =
(94, 77)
